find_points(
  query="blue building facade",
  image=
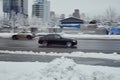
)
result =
(70, 26)
(11, 5)
(38, 8)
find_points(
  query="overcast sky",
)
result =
(89, 7)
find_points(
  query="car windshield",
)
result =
(57, 36)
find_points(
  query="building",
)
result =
(76, 14)
(29, 8)
(41, 9)
(13, 5)
(18, 6)
(38, 8)
(1, 8)
(71, 22)
(62, 16)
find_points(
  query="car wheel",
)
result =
(14, 37)
(45, 43)
(29, 37)
(69, 44)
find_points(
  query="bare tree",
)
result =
(1, 21)
(12, 20)
(110, 14)
(22, 20)
(54, 20)
(37, 23)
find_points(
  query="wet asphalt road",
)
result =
(106, 46)
(46, 58)
(83, 45)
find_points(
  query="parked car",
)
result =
(56, 39)
(23, 34)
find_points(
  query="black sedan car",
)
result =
(56, 39)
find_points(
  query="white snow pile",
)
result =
(113, 56)
(76, 36)
(91, 36)
(58, 69)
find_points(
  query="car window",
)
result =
(22, 32)
(53, 37)
(57, 36)
(49, 36)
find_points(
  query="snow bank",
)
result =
(113, 56)
(76, 36)
(58, 69)
(88, 36)
(85, 36)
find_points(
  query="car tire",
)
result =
(29, 37)
(69, 44)
(45, 43)
(14, 37)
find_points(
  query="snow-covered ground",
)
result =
(76, 36)
(58, 69)
(91, 36)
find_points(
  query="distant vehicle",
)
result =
(93, 22)
(114, 31)
(23, 34)
(56, 39)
